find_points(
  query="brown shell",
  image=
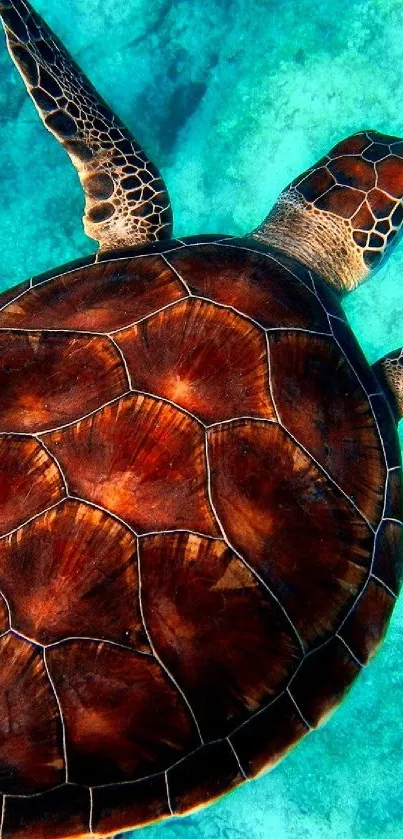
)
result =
(200, 529)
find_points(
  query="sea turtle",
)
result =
(200, 479)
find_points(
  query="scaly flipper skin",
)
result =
(126, 199)
(389, 371)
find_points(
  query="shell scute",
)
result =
(82, 569)
(192, 783)
(394, 495)
(323, 680)
(105, 297)
(267, 737)
(4, 616)
(141, 459)
(284, 504)
(51, 378)
(233, 663)
(372, 610)
(320, 401)
(390, 439)
(53, 815)
(256, 284)
(208, 360)
(121, 806)
(387, 554)
(124, 719)
(29, 481)
(31, 746)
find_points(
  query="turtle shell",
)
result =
(200, 529)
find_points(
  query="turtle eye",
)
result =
(361, 181)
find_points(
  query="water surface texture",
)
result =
(233, 98)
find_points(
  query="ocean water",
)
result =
(233, 98)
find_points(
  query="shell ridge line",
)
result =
(268, 704)
(384, 585)
(320, 301)
(334, 317)
(9, 303)
(266, 420)
(32, 518)
(232, 747)
(382, 518)
(162, 772)
(168, 793)
(269, 365)
(267, 256)
(155, 774)
(379, 430)
(42, 792)
(270, 329)
(244, 561)
(45, 329)
(123, 360)
(56, 462)
(8, 610)
(390, 518)
(365, 391)
(91, 816)
(97, 258)
(369, 575)
(156, 655)
(3, 812)
(327, 474)
(359, 663)
(103, 510)
(299, 712)
(125, 395)
(77, 420)
(208, 300)
(106, 641)
(169, 402)
(152, 314)
(23, 637)
(66, 765)
(179, 530)
(180, 278)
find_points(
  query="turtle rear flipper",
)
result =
(389, 372)
(126, 199)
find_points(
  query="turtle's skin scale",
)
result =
(200, 484)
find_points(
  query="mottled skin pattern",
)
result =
(126, 198)
(176, 429)
(200, 480)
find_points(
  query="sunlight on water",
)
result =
(233, 98)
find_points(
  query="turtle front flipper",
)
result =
(126, 199)
(389, 372)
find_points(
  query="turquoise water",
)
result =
(233, 98)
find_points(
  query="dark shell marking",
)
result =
(206, 408)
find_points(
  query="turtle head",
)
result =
(341, 216)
